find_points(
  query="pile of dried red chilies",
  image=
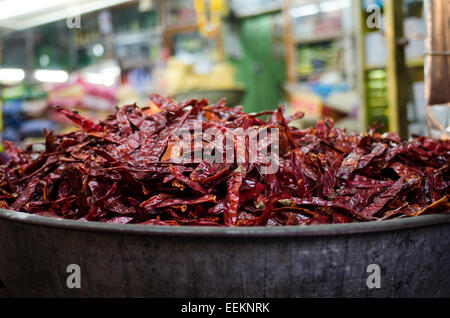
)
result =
(121, 171)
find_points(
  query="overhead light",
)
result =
(112, 71)
(25, 14)
(106, 76)
(14, 8)
(110, 81)
(99, 79)
(333, 5)
(304, 11)
(51, 76)
(98, 49)
(145, 5)
(94, 78)
(44, 60)
(11, 75)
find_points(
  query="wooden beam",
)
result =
(289, 44)
(437, 72)
(396, 68)
(1, 48)
(361, 61)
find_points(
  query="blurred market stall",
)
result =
(356, 61)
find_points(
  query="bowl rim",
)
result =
(212, 231)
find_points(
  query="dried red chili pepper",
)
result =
(79, 120)
(122, 170)
(232, 199)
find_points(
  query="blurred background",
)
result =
(327, 58)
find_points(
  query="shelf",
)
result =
(254, 13)
(319, 72)
(181, 28)
(420, 62)
(411, 64)
(320, 39)
(375, 67)
(135, 37)
(135, 63)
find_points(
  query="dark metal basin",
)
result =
(154, 261)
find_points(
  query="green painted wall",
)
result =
(262, 73)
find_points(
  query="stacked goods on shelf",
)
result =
(317, 58)
(197, 69)
(182, 77)
(377, 99)
(318, 26)
(180, 13)
(323, 46)
(318, 37)
(376, 60)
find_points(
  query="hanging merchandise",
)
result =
(437, 71)
(209, 28)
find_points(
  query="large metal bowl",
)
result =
(154, 261)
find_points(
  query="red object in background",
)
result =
(333, 113)
(81, 94)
